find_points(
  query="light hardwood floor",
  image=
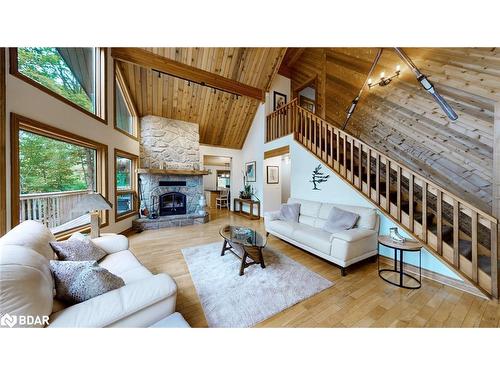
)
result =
(360, 299)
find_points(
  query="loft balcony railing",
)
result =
(462, 235)
(55, 210)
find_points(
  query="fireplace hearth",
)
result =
(172, 203)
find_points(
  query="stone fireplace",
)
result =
(169, 161)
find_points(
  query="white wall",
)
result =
(253, 150)
(26, 100)
(272, 192)
(281, 84)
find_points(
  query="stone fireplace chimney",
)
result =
(168, 145)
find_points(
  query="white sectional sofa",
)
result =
(342, 248)
(27, 285)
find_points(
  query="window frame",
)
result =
(21, 123)
(120, 83)
(101, 100)
(133, 189)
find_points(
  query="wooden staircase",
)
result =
(461, 235)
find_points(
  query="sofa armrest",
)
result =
(110, 307)
(112, 243)
(352, 235)
(272, 215)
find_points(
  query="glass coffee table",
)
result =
(244, 243)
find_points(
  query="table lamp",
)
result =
(93, 203)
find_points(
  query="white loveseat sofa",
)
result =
(342, 248)
(27, 286)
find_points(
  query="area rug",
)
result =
(230, 300)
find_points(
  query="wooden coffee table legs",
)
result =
(251, 252)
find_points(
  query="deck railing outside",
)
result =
(52, 209)
(461, 234)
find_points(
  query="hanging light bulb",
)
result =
(382, 75)
(398, 68)
(369, 81)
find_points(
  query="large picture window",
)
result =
(51, 171)
(126, 118)
(125, 185)
(74, 75)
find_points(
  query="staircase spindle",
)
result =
(411, 224)
(398, 198)
(388, 185)
(360, 167)
(424, 211)
(351, 165)
(439, 222)
(456, 227)
(377, 177)
(474, 246)
(344, 156)
(368, 171)
(494, 259)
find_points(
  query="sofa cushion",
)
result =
(26, 283)
(77, 249)
(31, 234)
(80, 281)
(290, 212)
(340, 220)
(316, 238)
(367, 215)
(125, 265)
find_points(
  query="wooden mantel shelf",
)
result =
(184, 172)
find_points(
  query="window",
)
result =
(125, 185)
(74, 75)
(126, 119)
(51, 171)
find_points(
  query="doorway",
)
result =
(217, 183)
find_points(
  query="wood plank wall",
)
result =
(403, 121)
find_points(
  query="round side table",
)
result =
(402, 247)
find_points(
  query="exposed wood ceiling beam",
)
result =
(290, 58)
(150, 60)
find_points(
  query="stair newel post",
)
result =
(474, 245)
(439, 221)
(424, 211)
(494, 259)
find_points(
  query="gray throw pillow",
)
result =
(340, 220)
(77, 249)
(79, 281)
(290, 212)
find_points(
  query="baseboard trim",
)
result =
(434, 276)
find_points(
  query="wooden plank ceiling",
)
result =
(224, 119)
(404, 121)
